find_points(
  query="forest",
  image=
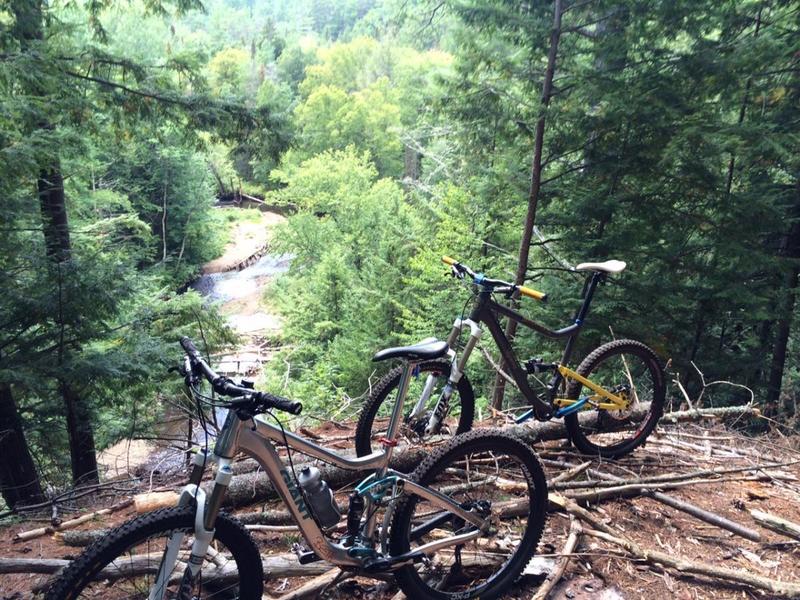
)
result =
(519, 137)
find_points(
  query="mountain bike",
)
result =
(463, 525)
(610, 403)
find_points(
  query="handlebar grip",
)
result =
(188, 346)
(531, 293)
(449, 261)
(284, 404)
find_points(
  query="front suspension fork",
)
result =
(456, 372)
(205, 516)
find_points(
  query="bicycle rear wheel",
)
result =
(125, 563)
(487, 472)
(628, 369)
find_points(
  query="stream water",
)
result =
(234, 285)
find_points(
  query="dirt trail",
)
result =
(241, 301)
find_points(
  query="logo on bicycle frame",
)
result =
(296, 494)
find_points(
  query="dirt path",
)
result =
(246, 313)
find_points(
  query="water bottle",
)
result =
(319, 496)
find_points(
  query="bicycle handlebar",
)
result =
(494, 283)
(225, 387)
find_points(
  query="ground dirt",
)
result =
(598, 570)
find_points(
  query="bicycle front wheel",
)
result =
(125, 563)
(374, 419)
(628, 369)
(500, 479)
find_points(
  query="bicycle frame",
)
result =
(256, 438)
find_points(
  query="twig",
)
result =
(602, 531)
(575, 531)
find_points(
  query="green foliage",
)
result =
(352, 240)
(670, 142)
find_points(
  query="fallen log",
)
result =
(777, 524)
(24, 536)
(254, 487)
(534, 431)
(602, 531)
(267, 517)
(247, 488)
(275, 565)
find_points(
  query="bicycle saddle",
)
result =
(610, 266)
(427, 349)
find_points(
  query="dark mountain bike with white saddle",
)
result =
(610, 403)
(463, 525)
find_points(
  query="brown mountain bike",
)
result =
(610, 403)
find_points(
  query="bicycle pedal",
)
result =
(304, 556)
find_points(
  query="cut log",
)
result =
(80, 538)
(777, 524)
(154, 500)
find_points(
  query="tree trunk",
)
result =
(81, 436)
(29, 30)
(791, 249)
(412, 164)
(534, 190)
(19, 481)
(742, 113)
(59, 248)
(54, 214)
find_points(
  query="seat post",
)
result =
(397, 412)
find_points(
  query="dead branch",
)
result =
(613, 481)
(777, 524)
(570, 474)
(602, 531)
(575, 531)
(638, 489)
(707, 516)
(315, 586)
(34, 533)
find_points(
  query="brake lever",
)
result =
(456, 272)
